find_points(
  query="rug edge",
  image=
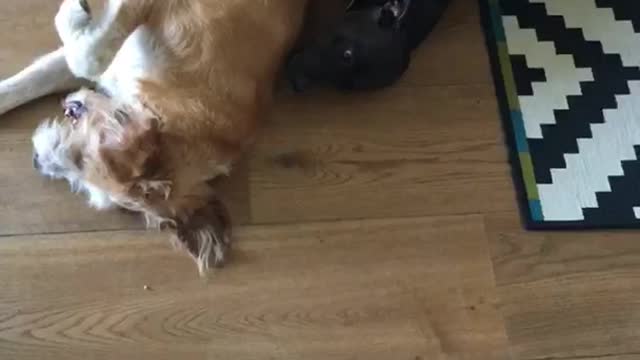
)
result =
(491, 46)
(524, 203)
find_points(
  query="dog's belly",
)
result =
(138, 58)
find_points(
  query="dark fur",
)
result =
(370, 48)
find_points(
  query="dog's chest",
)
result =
(137, 59)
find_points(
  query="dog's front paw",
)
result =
(72, 18)
(206, 235)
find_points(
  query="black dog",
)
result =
(371, 48)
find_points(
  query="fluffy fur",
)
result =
(180, 89)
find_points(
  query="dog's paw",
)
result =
(72, 18)
(205, 235)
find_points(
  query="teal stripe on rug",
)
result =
(520, 134)
(535, 209)
(496, 20)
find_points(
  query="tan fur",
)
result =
(199, 113)
(209, 103)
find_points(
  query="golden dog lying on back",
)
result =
(180, 88)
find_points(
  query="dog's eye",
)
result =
(74, 110)
(347, 56)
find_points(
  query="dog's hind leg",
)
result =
(92, 44)
(47, 75)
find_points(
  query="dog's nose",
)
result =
(36, 163)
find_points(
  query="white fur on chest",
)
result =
(138, 58)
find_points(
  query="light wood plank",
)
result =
(454, 53)
(402, 289)
(27, 32)
(398, 152)
(567, 295)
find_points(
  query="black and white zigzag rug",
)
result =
(568, 80)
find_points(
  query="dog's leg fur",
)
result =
(47, 75)
(91, 44)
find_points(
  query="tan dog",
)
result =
(181, 86)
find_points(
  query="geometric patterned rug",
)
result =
(567, 76)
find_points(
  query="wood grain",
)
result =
(398, 152)
(567, 295)
(454, 53)
(286, 296)
(27, 32)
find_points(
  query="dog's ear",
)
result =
(130, 151)
(130, 148)
(205, 234)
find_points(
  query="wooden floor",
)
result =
(378, 226)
